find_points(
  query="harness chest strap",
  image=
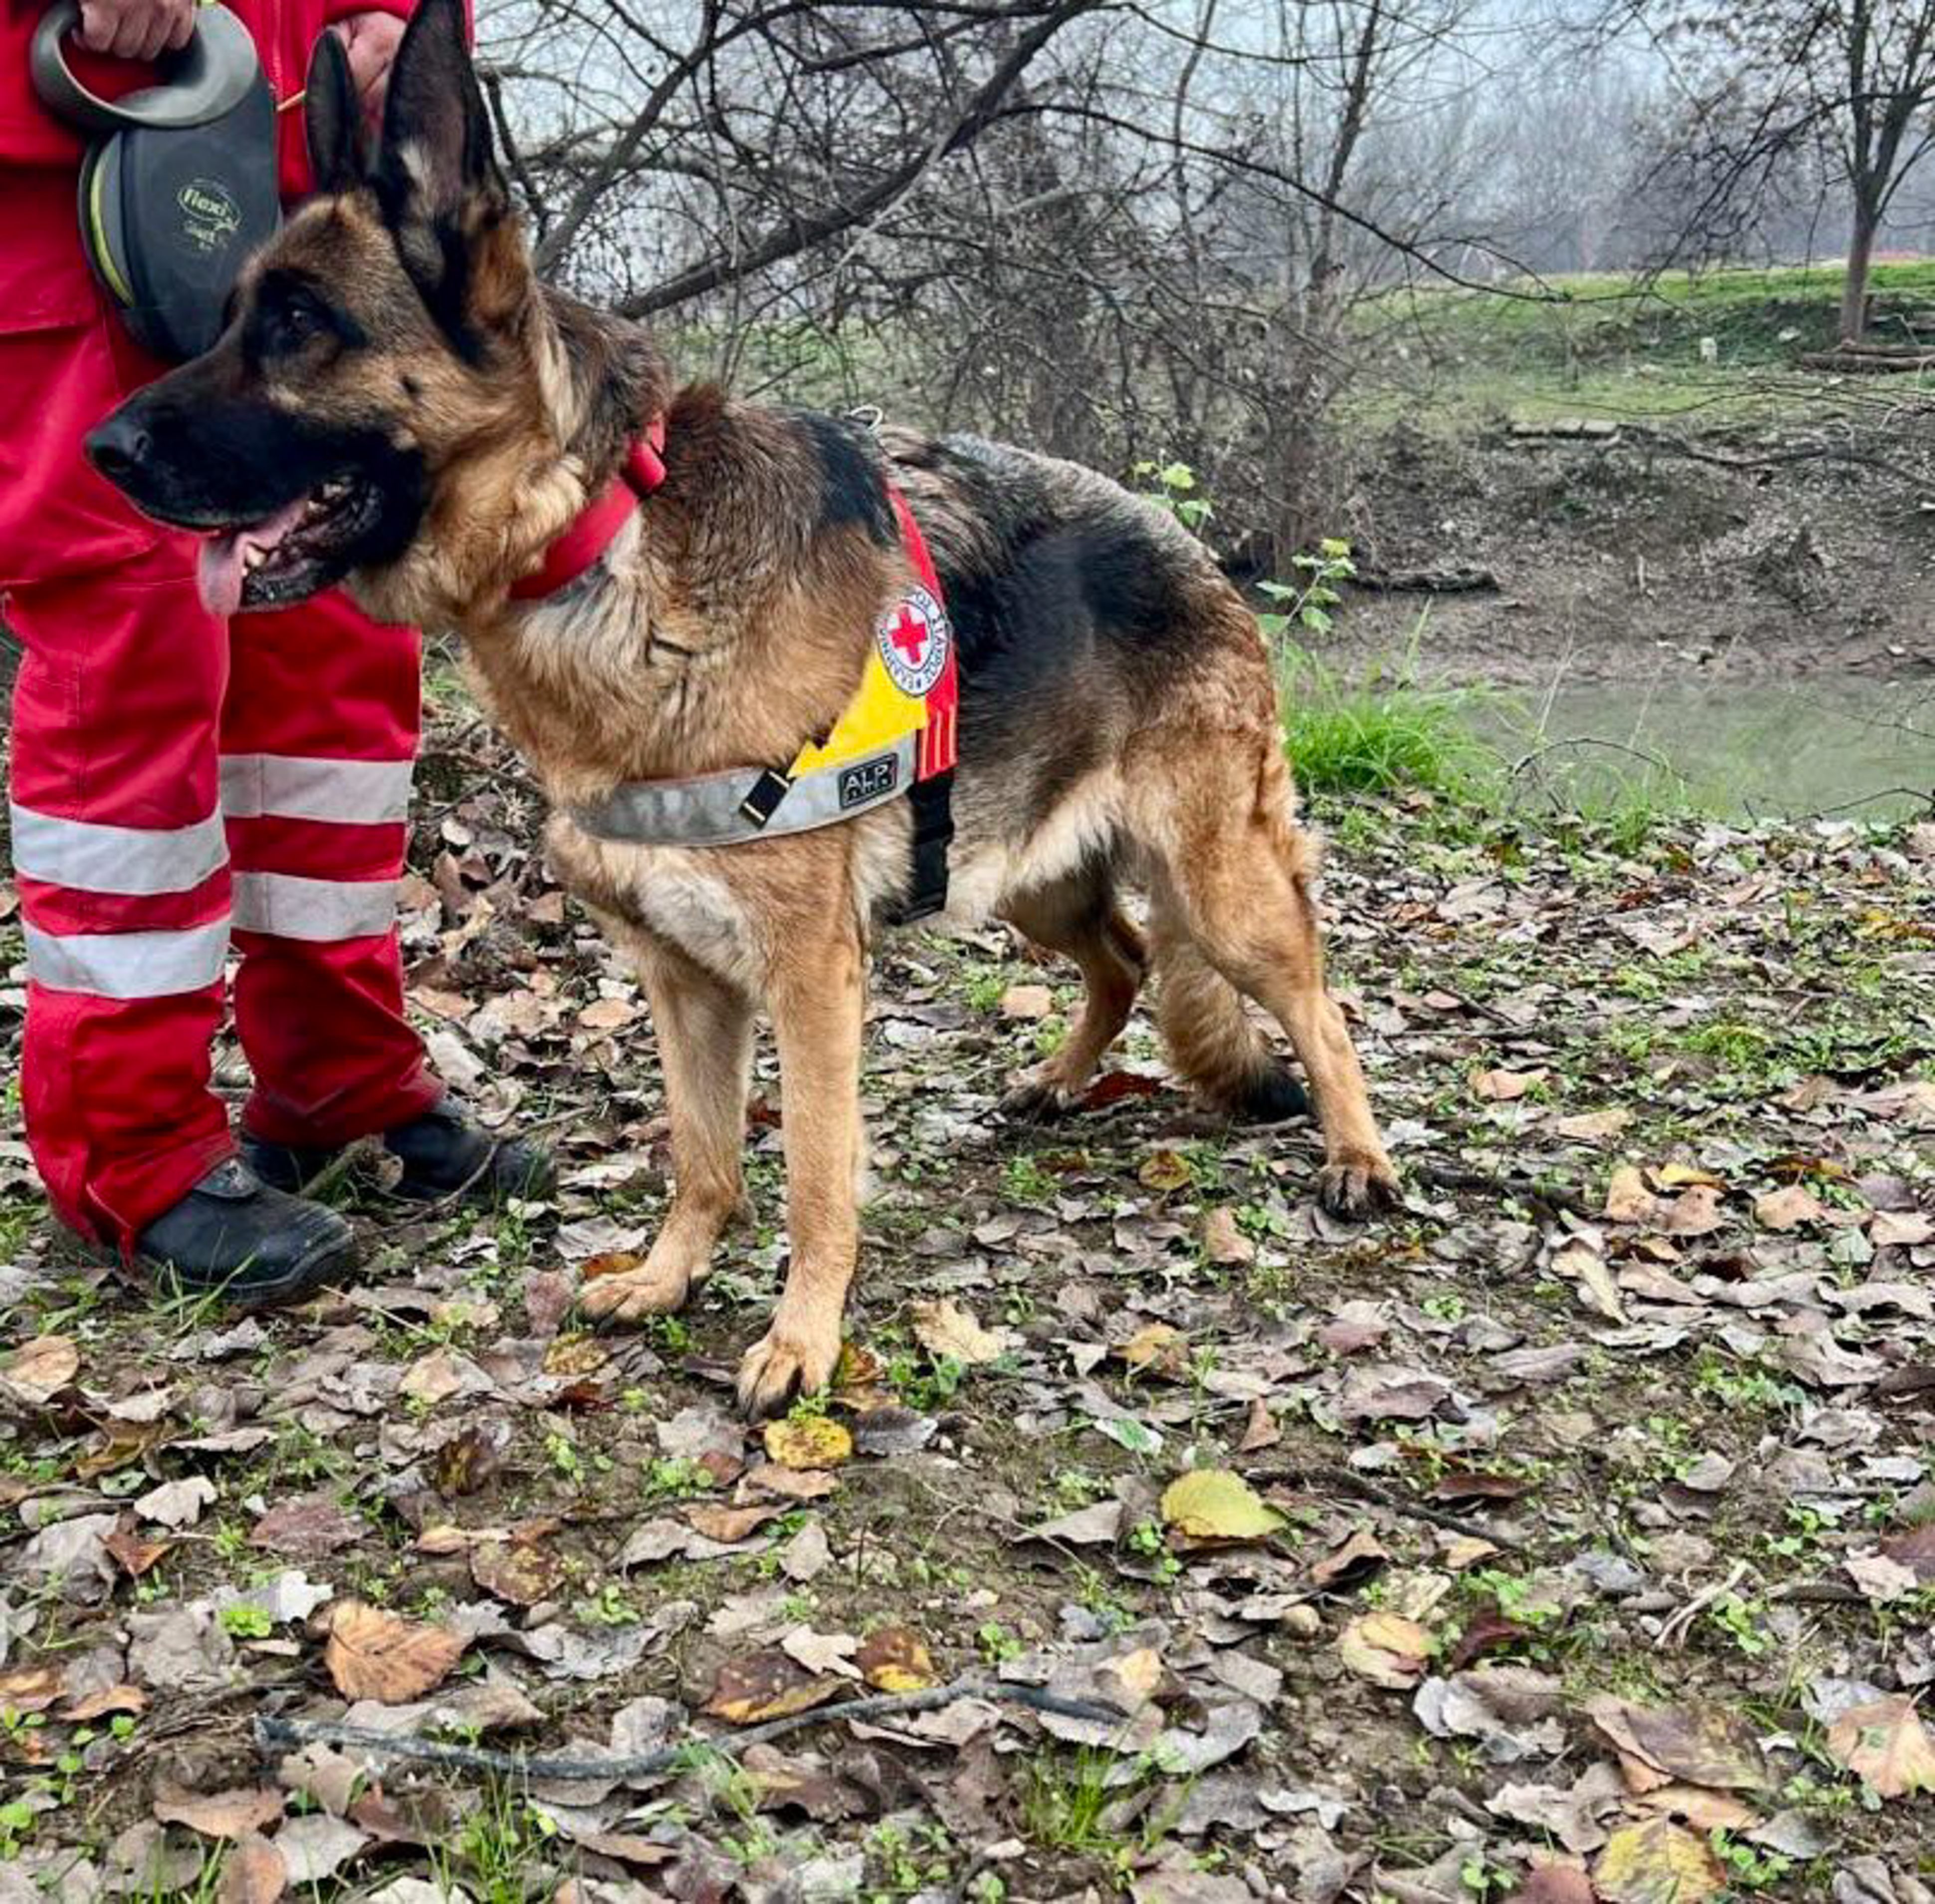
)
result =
(897, 736)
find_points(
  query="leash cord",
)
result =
(275, 1734)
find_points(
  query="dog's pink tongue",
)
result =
(222, 567)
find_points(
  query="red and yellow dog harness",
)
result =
(896, 737)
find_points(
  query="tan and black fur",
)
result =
(1117, 721)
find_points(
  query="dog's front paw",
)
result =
(786, 1363)
(1037, 1096)
(1355, 1185)
(634, 1294)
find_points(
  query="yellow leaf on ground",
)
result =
(1165, 1169)
(374, 1654)
(1678, 1176)
(1885, 1743)
(765, 1686)
(1159, 1347)
(895, 1659)
(1657, 1863)
(812, 1441)
(1210, 1503)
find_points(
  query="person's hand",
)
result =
(371, 40)
(136, 29)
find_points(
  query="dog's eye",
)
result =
(295, 323)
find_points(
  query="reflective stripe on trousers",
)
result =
(86, 857)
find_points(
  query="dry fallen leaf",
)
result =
(221, 1814)
(1506, 1086)
(946, 1330)
(1165, 1169)
(765, 1686)
(1884, 1744)
(374, 1654)
(255, 1873)
(1212, 1505)
(1386, 1648)
(520, 1571)
(37, 1371)
(1789, 1207)
(1702, 1745)
(812, 1441)
(1657, 1863)
(895, 1659)
(1223, 1241)
(1027, 1002)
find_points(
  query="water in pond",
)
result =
(1863, 746)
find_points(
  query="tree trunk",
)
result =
(1854, 285)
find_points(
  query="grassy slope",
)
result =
(1608, 346)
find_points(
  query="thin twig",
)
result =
(1674, 1633)
(273, 1735)
(1367, 1490)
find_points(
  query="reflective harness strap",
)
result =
(898, 735)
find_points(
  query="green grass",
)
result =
(1614, 347)
(1381, 733)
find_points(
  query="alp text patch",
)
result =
(868, 780)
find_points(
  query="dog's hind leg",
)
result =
(1212, 1041)
(816, 994)
(1078, 917)
(704, 1028)
(1234, 871)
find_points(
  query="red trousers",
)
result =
(185, 790)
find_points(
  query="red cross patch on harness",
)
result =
(915, 640)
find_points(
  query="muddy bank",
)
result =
(1767, 554)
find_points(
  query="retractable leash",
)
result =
(179, 184)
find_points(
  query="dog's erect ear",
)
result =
(333, 116)
(437, 156)
(437, 178)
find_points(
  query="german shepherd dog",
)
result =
(400, 404)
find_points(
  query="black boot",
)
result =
(444, 1152)
(255, 1246)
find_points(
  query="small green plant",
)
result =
(247, 1622)
(1739, 1621)
(996, 1643)
(1174, 492)
(1306, 604)
(1748, 1868)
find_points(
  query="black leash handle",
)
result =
(207, 79)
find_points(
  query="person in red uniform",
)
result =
(184, 788)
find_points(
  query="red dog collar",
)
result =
(596, 527)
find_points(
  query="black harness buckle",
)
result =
(762, 799)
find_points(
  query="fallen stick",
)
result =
(1369, 1491)
(278, 1734)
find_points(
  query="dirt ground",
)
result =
(1578, 1516)
(1773, 551)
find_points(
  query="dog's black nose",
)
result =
(118, 446)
